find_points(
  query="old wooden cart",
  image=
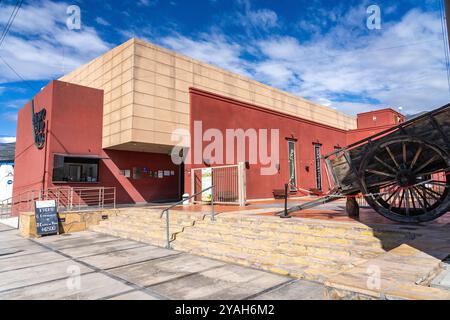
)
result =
(403, 172)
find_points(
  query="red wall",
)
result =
(146, 189)
(222, 113)
(379, 118)
(74, 127)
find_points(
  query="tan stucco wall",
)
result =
(147, 95)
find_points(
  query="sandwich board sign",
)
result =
(46, 217)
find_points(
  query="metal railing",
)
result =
(166, 210)
(229, 182)
(67, 199)
(5, 208)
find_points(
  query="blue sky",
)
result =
(320, 50)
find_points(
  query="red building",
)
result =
(61, 142)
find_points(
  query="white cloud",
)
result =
(402, 65)
(147, 3)
(15, 104)
(9, 116)
(211, 48)
(40, 46)
(7, 139)
(348, 68)
(264, 18)
(102, 21)
(261, 18)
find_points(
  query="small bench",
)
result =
(279, 193)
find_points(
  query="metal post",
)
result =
(447, 16)
(192, 185)
(114, 197)
(71, 199)
(285, 215)
(167, 230)
(213, 216)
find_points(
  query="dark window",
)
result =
(75, 169)
(318, 161)
(292, 166)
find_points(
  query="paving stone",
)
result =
(229, 282)
(24, 261)
(92, 286)
(10, 236)
(298, 290)
(135, 295)
(38, 274)
(4, 227)
(85, 238)
(101, 248)
(126, 257)
(156, 271)
(22, 249)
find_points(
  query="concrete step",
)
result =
(303, 248)
(130, 227)
(152, 239)
(145, 223)
(225, 231)
(403, 273)
(315, 228)
(306, 267)
(296, 247)
(289, 235)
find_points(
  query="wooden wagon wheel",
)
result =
(407, 180)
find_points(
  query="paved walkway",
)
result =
(89, 265)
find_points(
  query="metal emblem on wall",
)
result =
(39, 126)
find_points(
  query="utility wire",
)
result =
(445, 41)
(11, 19)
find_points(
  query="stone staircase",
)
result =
(303, 248)
(145, 224)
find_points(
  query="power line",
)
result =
(11, 19)
(445, 41)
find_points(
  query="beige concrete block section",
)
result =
(141, 80)
(73, 221)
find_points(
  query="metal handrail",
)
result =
(182, 201)
(65, 197)
(166, 210)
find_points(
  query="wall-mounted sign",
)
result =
(38, 122)
(46, 217)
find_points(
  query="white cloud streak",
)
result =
(348, 68)
(7, 139)
(40, 46)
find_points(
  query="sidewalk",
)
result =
(89, 265)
